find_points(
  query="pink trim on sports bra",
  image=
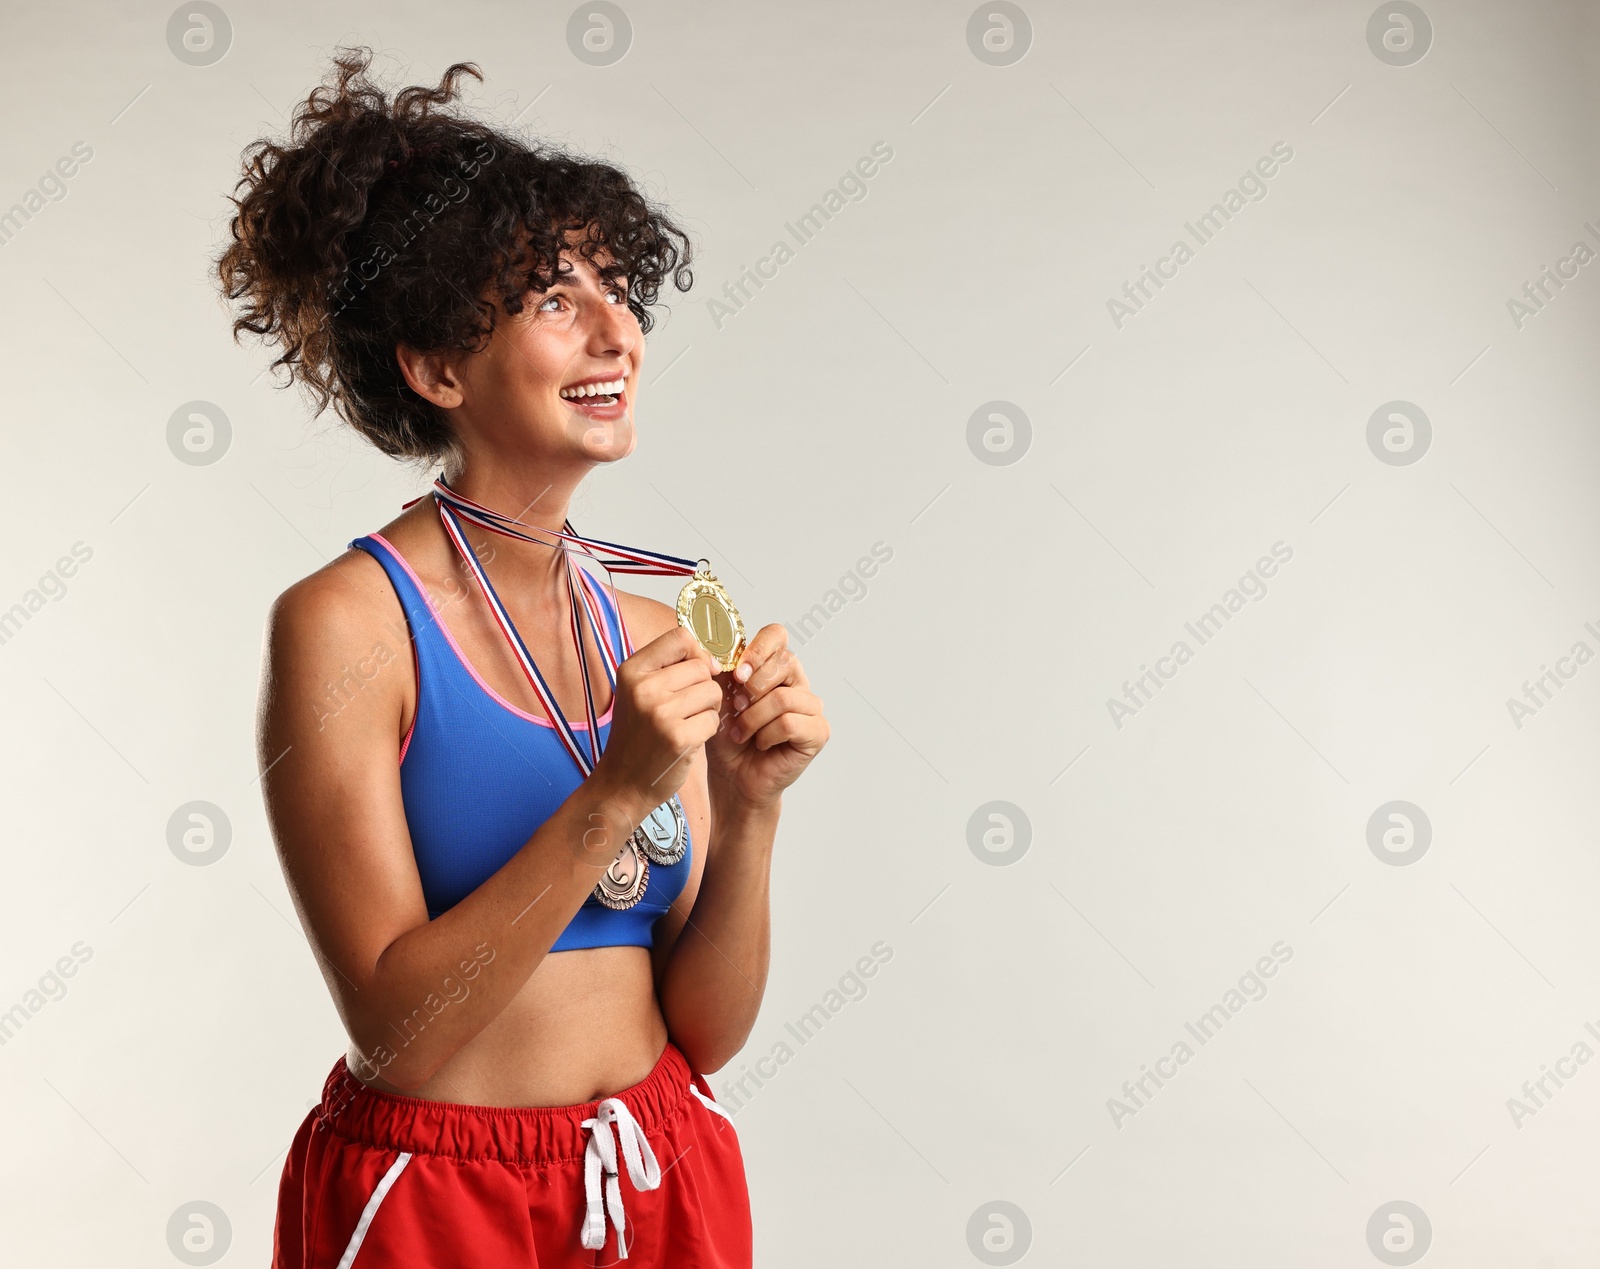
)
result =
(467, 665)
(416, 674)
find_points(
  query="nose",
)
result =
(613, 329)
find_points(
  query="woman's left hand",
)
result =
(774, 727)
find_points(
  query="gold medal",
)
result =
(623, 883)
(709, 614)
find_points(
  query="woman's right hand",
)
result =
(668, 704)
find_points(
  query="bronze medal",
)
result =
(708, 612)
(623, 883)
(664, 835)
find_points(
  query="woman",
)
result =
(527, 981)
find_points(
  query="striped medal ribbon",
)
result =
(663, 836)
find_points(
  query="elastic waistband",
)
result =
(527, 1135)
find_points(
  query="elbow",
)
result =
(709, 1053)
(407, 1078)
(708, 1037)
(408, 1070)
(710, 1061)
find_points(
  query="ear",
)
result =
(434, 377)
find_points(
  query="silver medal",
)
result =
(623, 884)
(664, 835)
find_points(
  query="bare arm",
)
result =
(716, 972)
(332, 788)
(713, 948)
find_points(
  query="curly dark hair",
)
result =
(385, 221)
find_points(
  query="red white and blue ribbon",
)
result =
(453, 508)
(624, 559)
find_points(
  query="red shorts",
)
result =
(375, 1181)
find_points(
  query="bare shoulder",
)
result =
(350, 600)
(327, 640)
(645, 618)
(346, 603)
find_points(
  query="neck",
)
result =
(534, 497)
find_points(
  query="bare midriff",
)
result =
(585, 1025)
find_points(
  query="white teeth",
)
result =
(594, 389)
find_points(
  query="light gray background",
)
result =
(1167, 855)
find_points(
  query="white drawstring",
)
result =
(601, 1154)
(709, 1104)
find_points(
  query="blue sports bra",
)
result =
(478, 775)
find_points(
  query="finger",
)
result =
(780, 668)
(783, 700)
(703, 698)
(702, 726)
(677, 644)
(768, 640)
(676, 677)
(687, 700)
(802, 732)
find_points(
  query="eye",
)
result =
(621, 292)
(553, 299)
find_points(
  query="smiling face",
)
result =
(556, 384)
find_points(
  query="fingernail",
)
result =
(742, 671)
